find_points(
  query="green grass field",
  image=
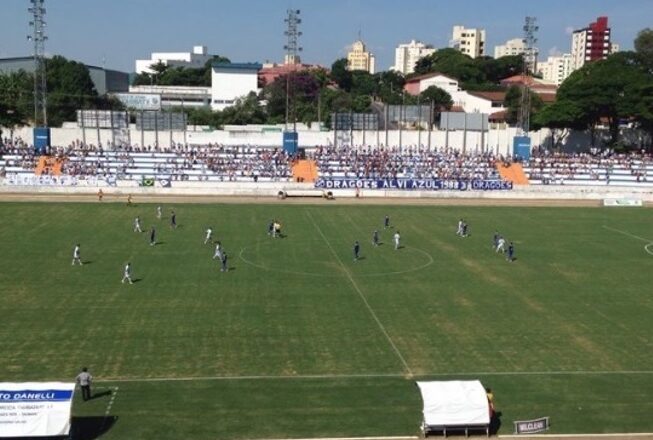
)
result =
(298, 340)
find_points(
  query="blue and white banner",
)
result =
(414, 184)
(16, 179)
(35, 409)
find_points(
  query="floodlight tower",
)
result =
(530, 60)
(39, 38)
(292, 49)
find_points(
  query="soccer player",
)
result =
(495, 239)
(127, 274)
(459, 232)
(173, 220)
(357, 250)
(218, 251)
(137, 225)
(271, 228)
(465, 229)
(501, 245)
(152, 236)
(397, 237)
(158, 212)
(76, 256)
(386, 222)
(209, 234)
(224, 263)
(511, 252)
(100, 194)
(375, 238)
(129, 200)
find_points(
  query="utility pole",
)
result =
(530, 59)
(39, 38)
(292, 49)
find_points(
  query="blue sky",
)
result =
(116, 32)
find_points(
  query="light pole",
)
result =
(39, 38)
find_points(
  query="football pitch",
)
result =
(298, 340)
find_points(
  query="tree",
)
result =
(341, 75)
(513, 103)
(70, 88)
(644, 47)
(246, 110)
(16, 103)
(304, 92)
(390, 86)
(559, 117)
(440, 99)
(606, 90)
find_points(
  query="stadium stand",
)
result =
(246, 163)
(607, 168)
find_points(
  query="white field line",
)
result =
(628, 234)
(114, 392)
(372, 376)
(360, 293)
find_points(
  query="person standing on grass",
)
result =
(100, 195)
(129, 200)
(137, 225)
(495, 239)
(84, 380)
(357, 250)
(127, 273)
(397, 238)
(152, 236)
(271, 228)
(209, 235)
(173, 220)
(386, 222)
(76, 256)
(375, 238)
(224, 262)
(218, 251)
(501, 245)
(461, 223)
(158, 212)
(511, 252)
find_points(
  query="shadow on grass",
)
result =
(137, 280)
(100, 394)
(89, 428)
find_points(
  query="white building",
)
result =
(195, 59)
(232, 81)
(516, 46)
(469, 41)
(407, 55)
(556, 69)
(359, 58)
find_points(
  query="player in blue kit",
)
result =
(357, 250)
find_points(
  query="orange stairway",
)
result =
(48, 165)
(304, 171)
(513, 173)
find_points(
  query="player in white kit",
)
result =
(218, 251)
(137, 225)
(127, 274)
(501, 245)
(397, 237)
(158, 212)
(209, 234)
(76, 256)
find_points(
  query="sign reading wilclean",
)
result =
(531, 426)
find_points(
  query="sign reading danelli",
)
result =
(532, 426)
(35, 409)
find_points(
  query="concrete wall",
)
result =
(495, 140)
(271, 189)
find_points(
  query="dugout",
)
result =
(456, 405)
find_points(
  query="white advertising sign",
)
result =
(623, 202)
(140, 101)
(35, 409)
(14, 179)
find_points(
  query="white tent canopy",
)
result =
(454, 404)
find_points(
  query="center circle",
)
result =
(315, 258)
